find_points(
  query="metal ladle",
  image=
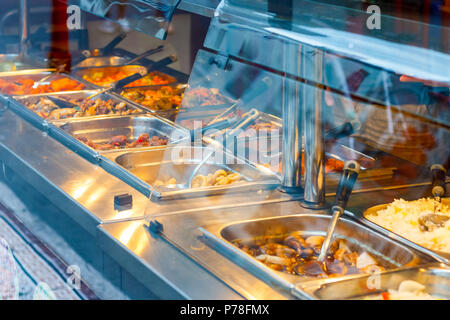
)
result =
(344, 190)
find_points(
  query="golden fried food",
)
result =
(104, 77)
(24, 86)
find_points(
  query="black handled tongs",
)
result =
(136, 76)
(438, 174)
(342, 131)
(344, 190)
(61, 103)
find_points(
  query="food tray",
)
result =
(435, 277)
(93, 62)
(100, 130)
(69, 95)
(178, 162)
(36, 75)
(389, 253)
(442, 256)
(166, 113)
(128, 70)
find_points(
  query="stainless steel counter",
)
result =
(179, 266)
(85, 192)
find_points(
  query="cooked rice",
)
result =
(402, 217)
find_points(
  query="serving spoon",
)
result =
(344, 190)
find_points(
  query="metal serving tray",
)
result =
(435, 277)
(167, 114)
(389, 253)
(442, 256)
(92, 62)
(82, 94)
(178, 162)
(102, 129)
(37, 74)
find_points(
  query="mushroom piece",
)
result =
(273, 259)
(336, 267)
(310, 269)
(285, 252)
(294, 243)
(314, 241)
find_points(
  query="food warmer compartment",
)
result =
(164, 172)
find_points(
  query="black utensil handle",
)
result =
(136, 76)
(346, 184)
(113, 43)
(126, 81)
(62, 103)
(161, 63)
(342, 131)
(438, 174)
(145, 54)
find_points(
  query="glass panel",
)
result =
(148, 16)
(359, 62)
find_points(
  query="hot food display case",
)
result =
(296, 157)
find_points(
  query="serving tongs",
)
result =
(59, 69)
(218, 123)
(198, 133)
(61, 103)
(434, 220)
(249, 117)
(120, 84)
(344, 190)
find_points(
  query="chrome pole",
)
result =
(24, 29)
(312, 103)
(292, 131)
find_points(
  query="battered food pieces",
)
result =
(218, 178)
